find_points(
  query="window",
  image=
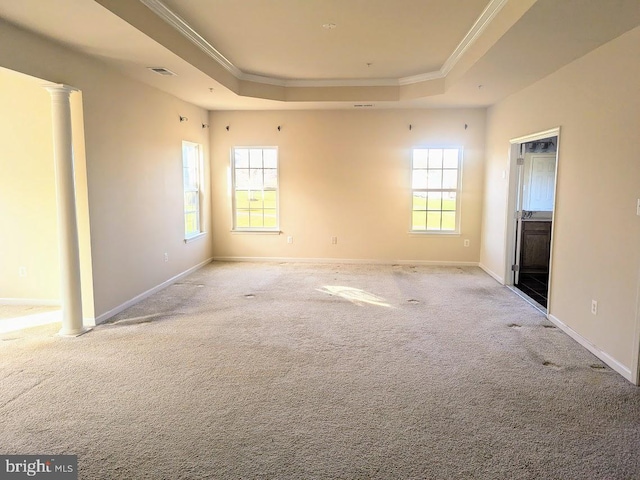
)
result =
(436, 190)
(255, 188)
(191, 183)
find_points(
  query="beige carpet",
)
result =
(14, 317)
(322, 371)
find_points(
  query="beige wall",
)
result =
(133, 140)
(596, 255)
(348, 174)
(28, 234)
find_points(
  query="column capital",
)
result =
(60, 88)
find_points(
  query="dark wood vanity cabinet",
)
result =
(535, 247)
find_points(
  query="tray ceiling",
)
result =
(294, 54)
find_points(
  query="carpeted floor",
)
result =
(23, 316)
(298, 371)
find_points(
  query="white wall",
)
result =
(596, 255)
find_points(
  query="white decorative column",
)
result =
(69, 252)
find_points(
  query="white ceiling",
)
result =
(286, 39)
(275, 54)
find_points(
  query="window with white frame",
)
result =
(436, 179)
(191, 176)
(255, 188)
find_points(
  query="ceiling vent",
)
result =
(162, 71)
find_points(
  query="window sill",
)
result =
(257, 232)
(195, 237)
(434, 234)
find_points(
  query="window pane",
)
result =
(270, 158)
(242, 218)
(241, 158)
(190, 176)
(256, 200)
(419, 221)
(270, 178)
(190, 187)
(448, 201)
(419, 179)
(270, 219)
(191, 202)
(435, 158)
(434, 179)
(450, 179)
(255, 178)
(434, 208)
(433, 220)
(451, 158)
(420, 158)
(255, 158)
(242, 199)
(242, 178)
(270, 199)
(191, 223)
(256, 218)
(449, 221)
(435, 201)
(419, 200)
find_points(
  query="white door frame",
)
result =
(519, 200)
(512, 201)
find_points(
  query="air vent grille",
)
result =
(363, 105)
(162, 71)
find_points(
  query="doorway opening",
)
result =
(532, 193)
(30, 269)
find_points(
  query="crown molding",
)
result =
(483, 21)
(423, 77)
(178, 23)
(374, 82)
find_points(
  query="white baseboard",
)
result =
(114, 311)
(604, 356)
(491, 273)
(350, 261)
(40, 302)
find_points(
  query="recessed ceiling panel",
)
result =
(332, 39)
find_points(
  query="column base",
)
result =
(73, 333)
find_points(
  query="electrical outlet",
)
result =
(594, 307)
(22, 272)
(289, 239)
(334, 240)
(166, 257)
(466, 242)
